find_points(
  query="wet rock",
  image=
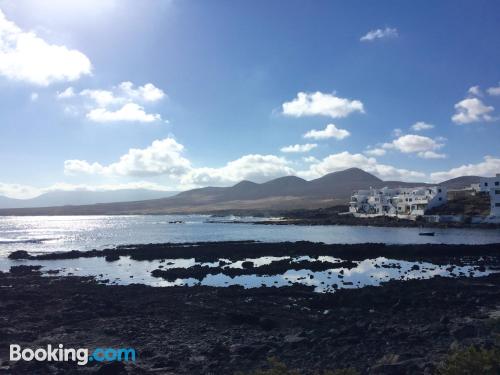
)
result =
(444, 319)
(294, 339)
(247, 265)
(268, 324)
(112, 257)
(463, 332)
(19, 254)
(20, 270)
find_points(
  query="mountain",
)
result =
(460, 182)
(282, 193)
(83, 197)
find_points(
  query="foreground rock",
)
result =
(399, 328)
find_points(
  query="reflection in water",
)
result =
(366, 272)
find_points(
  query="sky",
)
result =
(178, 94)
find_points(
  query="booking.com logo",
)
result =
(61, 354)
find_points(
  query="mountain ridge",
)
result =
(83, 197)
(280, 193)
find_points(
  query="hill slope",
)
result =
(77, 198)
(283, 193)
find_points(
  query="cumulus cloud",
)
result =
(166, 158)
(254, 167)
(376, 152)
(102, 98)
(129, 112)
(24, 56)
(488, 167)
(162, 157)
(310, 159)
(121, 103)
(125, 92)
(330, 131)
(431, 155)
(372, 35)
(299, 148)
(494, 91)
(320, 104)
(66, 94)
(475, 91)
(471, 110)
(419, 126)
(148, 92)
(412, 143)
(344, 160)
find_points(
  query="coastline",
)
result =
(400, 327)
(397, 328)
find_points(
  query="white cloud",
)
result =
(129, 112)
(472, 110)
(254, 167)
(320, 104)
(412, 143)
(431, 155)
(494, 91)
(475, 91)
(419, 126)
(26, 57)
(102, 98)
(165, 158)
(162, 157)
(488, 167)
(66, 94)
(376, 152)
(125, 92)
(34, 96)
(299, 148)
(121, 103)
(330, 131)
(148, 92)
(344, 160)
(372, 35)
(310, 159)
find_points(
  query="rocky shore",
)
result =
(402, 327)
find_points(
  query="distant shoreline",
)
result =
(303, 217)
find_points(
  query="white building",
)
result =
(491, 185)
(399, 201)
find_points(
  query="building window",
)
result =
(497, 183)
(497, 204)
(440, 198)
(485, 184)
(439, 190)
(497, 191)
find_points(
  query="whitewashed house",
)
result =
(397, 202)
(491, 185)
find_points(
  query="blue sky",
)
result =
(177, 94)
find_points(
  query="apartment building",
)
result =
(399, 201)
